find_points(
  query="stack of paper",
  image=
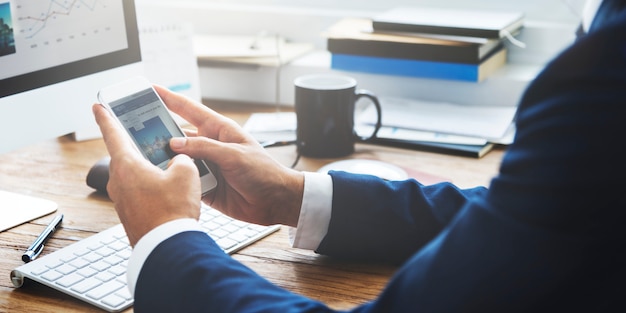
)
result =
(440, 127)
(468, 123)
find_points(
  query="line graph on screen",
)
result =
(63, 31)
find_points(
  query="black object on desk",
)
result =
(98, 175)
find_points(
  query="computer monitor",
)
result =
(54, 57)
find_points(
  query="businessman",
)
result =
(547, 235)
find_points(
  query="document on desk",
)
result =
(278, 126)
(490, 123)
(281, 126)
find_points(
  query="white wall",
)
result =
(549, 27)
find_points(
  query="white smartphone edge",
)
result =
(118, 91)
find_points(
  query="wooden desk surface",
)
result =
(56, 170)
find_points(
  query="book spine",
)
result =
(439, 53)
(454, 31)
(405, 67)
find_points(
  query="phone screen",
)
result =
(151, 126)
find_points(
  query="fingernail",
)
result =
(178, 142)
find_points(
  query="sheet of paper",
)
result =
(487, 122)
(18, 209)
(278, 126)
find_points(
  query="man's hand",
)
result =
(252, 186)
(144, 195)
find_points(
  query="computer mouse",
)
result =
(98, 175)
(381, 169)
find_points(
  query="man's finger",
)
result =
(198, 115)
(115, 139)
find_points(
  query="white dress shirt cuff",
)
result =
(149, 241)
(315, 212)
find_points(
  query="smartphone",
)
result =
(149, 123)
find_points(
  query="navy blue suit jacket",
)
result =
(548, 234)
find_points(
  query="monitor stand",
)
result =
(16, 209)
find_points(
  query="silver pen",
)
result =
(37, 246)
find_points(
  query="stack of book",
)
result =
(430, 43)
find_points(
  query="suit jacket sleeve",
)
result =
(547, 236)
(378, 220)
(189, 272)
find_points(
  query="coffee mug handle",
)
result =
(368, 94)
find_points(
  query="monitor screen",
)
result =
(54, 56)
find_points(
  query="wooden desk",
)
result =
(56, 170)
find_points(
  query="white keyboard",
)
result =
(94, 269)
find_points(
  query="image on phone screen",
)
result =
(149, 124)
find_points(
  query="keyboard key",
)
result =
(68, 258)
(95, 245)
(107, 241)
(118, 270)
(65, 269)
(54, 263)
(222, 220)
(86, 285)
(105, 289)
(238, 237)
(80, 263)
(81, 251)
(124, 293)
(105, 251)
(51, 275)
(87, 272)
(113, 259)
(124, 254)
(219, 233)
(113, 300)
(211, 226)
(250, 232)
(92, 257)
(39, 270)
(105, 276)
(118, 245)
(226, 243)
(69, 280)
(100, 266)
(230, 228)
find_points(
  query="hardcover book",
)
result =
(473, 23)
(419, 68)
(356, 36)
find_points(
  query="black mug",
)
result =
(325, 106)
